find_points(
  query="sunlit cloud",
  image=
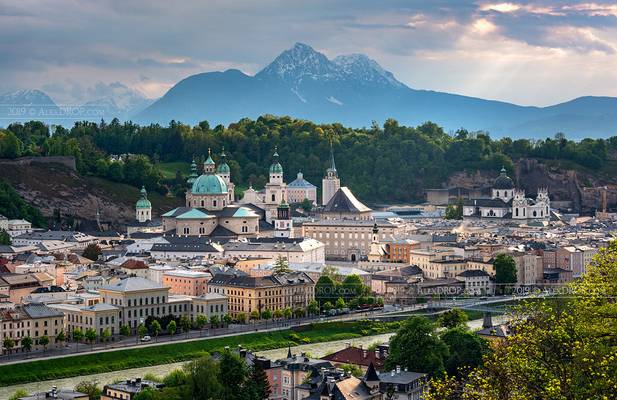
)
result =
(483, 26)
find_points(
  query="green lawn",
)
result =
(169, 169)
(174, 352)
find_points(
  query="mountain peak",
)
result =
(299, 62)
(26, 97)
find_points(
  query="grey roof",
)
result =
(411, 270)
(493, 203)
(345, 201)
(133, 284)
(59, 394)
(39, 310)
(300, 182)
(473, 272)
(401, 378)
(185, 243)
(292, 278)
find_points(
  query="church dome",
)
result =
(276, 168)
(222, 168)
(143, 201)
(503, 181)
(209, 184)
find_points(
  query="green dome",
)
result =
(209, 184)
(143, 201)
(276, 168)
(222, 168)
(209, 161)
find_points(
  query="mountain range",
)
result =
(355, 90)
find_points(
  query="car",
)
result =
(146, 338)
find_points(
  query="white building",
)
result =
(300, 250)
(508, 202)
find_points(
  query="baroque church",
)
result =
(507, 202)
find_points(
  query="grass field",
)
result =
(169, 169)
(174, 352)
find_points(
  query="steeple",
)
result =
(209, 165)
(332, 164)
(223, 167)
(143, 207)
(193, 175)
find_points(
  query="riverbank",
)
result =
(88, 364)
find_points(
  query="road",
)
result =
(71, 349)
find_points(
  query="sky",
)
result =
(529, 53)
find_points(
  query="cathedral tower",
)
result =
(143, 207)
(331, 182)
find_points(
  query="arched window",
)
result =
(516, 212)
(186, 230)
(214, 203)
(535, 213)
(273, 197)
(498, 193)
(203, 203)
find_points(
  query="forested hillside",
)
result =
(389, 163)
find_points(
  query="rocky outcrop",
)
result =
(51, 186)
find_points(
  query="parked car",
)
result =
(146, 338)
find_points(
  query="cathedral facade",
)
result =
(508, 202)
(209, 209)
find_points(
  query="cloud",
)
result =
(496, 49)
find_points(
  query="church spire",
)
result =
(332, 164)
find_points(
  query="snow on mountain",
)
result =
(364, 69)
(26, 97)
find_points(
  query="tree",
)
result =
(61, 338)
(200, 322)
(452, 318)
(258, 384)
(141, 331)
(233, 375)
(26, 343)
(125, 330)
(155, 328)
(227, 319)
(78, 336)
(90, 336)
(281, 266)
(266, 314)
(505, 271)
(92, 252)
(202, 376)
(146, 393)
(340, 303)
(352, 287)
(185, 323)
(44, 341)
(105, 335)
(465, 350)
(5, 238)
(299, 312)
(558, 348)
(325, 290)
(306, 205)
(313, 307)
(215, 321)
(332, 272)
(8, 343)
(417, 347)
(287, 312)
(172, 327)
(353, 369)
(90, 388)
(255, 315)
(278, 314)
(455, 211)
(19, 393)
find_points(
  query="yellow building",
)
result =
(275, 292)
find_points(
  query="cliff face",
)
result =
(579, 191)
(56, 186)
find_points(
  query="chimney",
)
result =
(488, 320)
(392, 373)
(364, 353)
(398, 369)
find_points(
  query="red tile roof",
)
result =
(356, 356)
